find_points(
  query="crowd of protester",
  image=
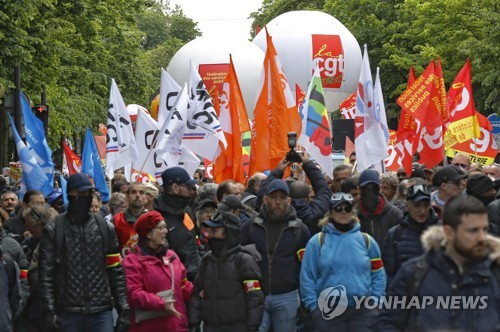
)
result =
(192, 255)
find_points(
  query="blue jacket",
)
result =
(477, 281)
(343, 259)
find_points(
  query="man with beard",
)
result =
(456, 265)
(229, 277)
(179, 190)
(79, 268)
(124, 221)
(376, 214)
(280, 238)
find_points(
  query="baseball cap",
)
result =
(230, 202)
(224, 219)
(79, 181)
(278, 184)
(55, 194)
(478, 184)
(177, 175)
(447, 174)
(369, 176)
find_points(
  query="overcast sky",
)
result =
(220, 18)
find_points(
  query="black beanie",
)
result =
(478, 184)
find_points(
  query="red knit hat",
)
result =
(146, 222)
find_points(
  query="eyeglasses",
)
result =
(345, 208)
(418, 188)
(457, 183)
(464, 166)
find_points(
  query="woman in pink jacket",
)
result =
(153, 272)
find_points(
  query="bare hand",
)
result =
(283, 164)
(304, 156)
(169, 306)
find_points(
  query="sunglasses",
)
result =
(343, 208)
(416, 189)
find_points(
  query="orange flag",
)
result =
(275, 115)
(74, 162)
(464, 123)
(234, 121)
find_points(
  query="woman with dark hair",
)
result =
(157, 285)
(341, 257)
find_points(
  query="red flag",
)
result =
(74, 162)
(299, 96)
(464, 123)
(348, 107)
(431, 146)
(234, 121)
(407, 136)
(275, 115)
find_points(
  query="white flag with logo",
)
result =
(120, 140)
(169, 145)
(203, 132)
(370, 141)
(169, 90)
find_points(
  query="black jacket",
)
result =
(227, 301)
(80, 279)
(494, 217)
(378, 226)
(14, 250)
(281, 271)
(402, 242)
(312, 212)
(15, 227)
(179, 238)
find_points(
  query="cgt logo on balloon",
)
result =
(329, 55)
(332, 302)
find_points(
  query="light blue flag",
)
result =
(91, 165)
(36, 140)
(33, 176)
(64, 183)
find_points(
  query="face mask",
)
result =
(370, 200)
(486, 200)
(217, 246)
(79, 207)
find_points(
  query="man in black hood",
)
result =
(229, 279)
(376, 214)
(172, 203)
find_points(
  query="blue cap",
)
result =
(223, 219)
(278, 184)
(80, 182)
(55, 194)
(369, 176)
(177, 175)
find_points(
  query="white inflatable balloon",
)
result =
(302, 38)
(207, 52)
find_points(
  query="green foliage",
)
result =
(75, 48)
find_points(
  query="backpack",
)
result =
(59, 233)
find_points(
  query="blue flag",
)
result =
(64, 184)
(33, 176)
(91, 165)
(36, 140)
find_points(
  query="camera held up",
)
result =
(292, 155)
